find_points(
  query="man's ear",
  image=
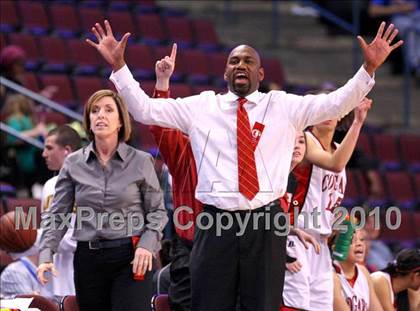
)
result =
(261, 74)
(67, 150)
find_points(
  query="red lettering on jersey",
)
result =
(331, 207)
(341, 185)
(356, 304)
(332, 182)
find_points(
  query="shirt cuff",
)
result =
(363, 76)
(161, 94)
(150, 240)
(122, 77)
(46, 255)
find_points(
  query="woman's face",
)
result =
(299, 149)
(104, 118)
(357, 249)
(415, 280)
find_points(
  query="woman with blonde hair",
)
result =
(116, 185)
(19, 113)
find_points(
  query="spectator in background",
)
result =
(19, 277)
(266, 87)
(12, 67)
(378, 253)
(405, 15)
(59, 143)
(18, 113)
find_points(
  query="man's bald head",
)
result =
(243, 70)
(247, 48)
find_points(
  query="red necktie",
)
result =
(247, 171)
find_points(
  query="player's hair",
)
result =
(408, 260)
(66, 136)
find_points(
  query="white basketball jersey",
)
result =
(324, 192)
(356, 295)
(63, 284)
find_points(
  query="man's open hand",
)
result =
(110, 49)
(376, 52)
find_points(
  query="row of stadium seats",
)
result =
(70, 21)
(74, 91)
(393, 152)
(52, 54)
(397, 188)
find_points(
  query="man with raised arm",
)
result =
(239, 184)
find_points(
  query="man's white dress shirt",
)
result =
(209, 119)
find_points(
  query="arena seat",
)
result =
(387, 151)
(3, 40)
(352, 195)
(273, 71)
(9, 20)
(160, 303)
(56, 118)
(417, 185)
(403, 232)
(198, 66)
(69, 303)
(364, 143)
(147, 6)
(88, 18)
(122, 22)
(400, 189)
(84, 58)
(151, 29)
(54, 53)
(65, 95)
(378, 199)
(65, 20)
(180, 90)
(120, 5)
(29, 44)
(217, 66)
(410, 149)
(180, 31)
(85, 86)
(141, 60)
(34, 16)
(205, 35)
(31, 81)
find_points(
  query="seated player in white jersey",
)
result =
(353, 288)
(320, 188)
(398, 285)
(59, 143)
